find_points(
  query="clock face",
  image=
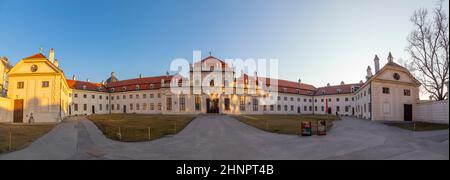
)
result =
(396, 76)
(34, 68)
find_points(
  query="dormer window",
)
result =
(112, 90)
(323, 92)
(124, 88)
(84, 87)
(152, 86)
(298, 91)
(339, 91)
(99, 88)
(211, 68)
(285, 90)
(138, 87)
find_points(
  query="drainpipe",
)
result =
(371, 103)
(60, 100)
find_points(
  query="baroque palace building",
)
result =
(37, 91)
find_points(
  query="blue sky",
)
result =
(319, 41)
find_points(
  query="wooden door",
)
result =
(408, 112)
(18, 111)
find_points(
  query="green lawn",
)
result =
(284, 124)
(21, 135)
(420, 126)
(136, 127)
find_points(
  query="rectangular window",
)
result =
(346, 108)
(20, 85)
(144, 96)
(137, 96)
(386, 90)
(242, 103)
(292, 108)
(45, 84)
(100, 97)
(285, 108)
(182, 103)
(138, 106)
(112, 107)
(131, 107)
(322, 108)
(338, 108)
(198, 103)
(279, 108)
(75, 107)
(152, 107)
(93, 96)
(144, 107)
(101, 107)
(255, 104)
(159, 106)
(407, 92)
(85, 107)
(131, 96)
(272, 108)
(227, 104)
(169, 104)
(75, 95)
(118, 107)
(152, 96)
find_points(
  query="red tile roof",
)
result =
(36, 56)
(331, 90)
(81, 85)
(144, 83)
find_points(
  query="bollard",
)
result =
(10, 139)
(120, 134)
(175, 128)
(149, 134)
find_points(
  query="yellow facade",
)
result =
(42, 88)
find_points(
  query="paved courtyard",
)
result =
(222, 138)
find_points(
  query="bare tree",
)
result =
(428, 48)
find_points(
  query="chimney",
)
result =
(377, 64)
(342, 83)
(74, 78)
(103, 82)
(87, 80)
(369, 73)
(56, 63)
(299, 81)
(361, 82)
(140, 75)
(328, 84)
(52, 55)
(390, 58)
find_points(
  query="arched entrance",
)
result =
(212, 105)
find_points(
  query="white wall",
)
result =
(435, 112)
